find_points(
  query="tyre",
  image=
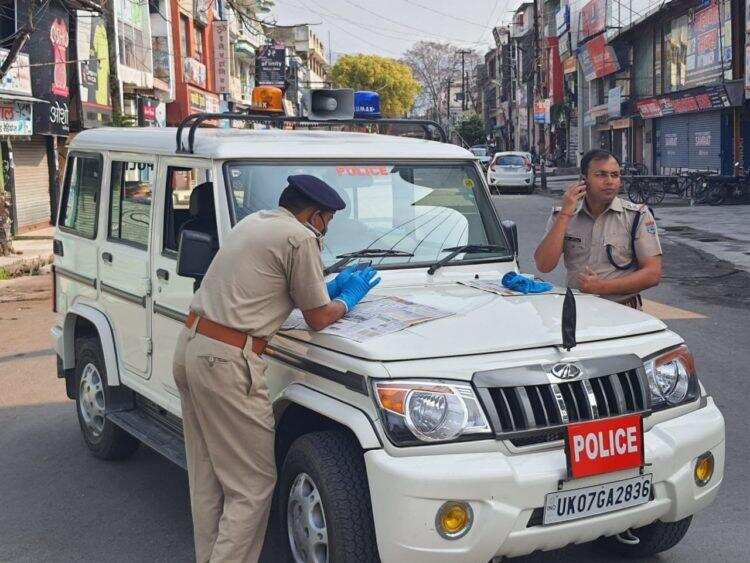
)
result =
(635, 191)
(103, 438)
(324, 501)
(654, 538)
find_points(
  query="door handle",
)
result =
(107, 257)
(162, 274)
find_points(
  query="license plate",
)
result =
(599, 499)
(604, 446)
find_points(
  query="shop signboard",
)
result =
(569, 65)
(18, 78)
(747, 49)
(598, 58)
(93, 70)
(16, 118)
(221, 56)
(705, 98)
(48, 55)
(562, 19)
(614, 102)
(709, 46)
(203, 102)
(271, 66)
(194, 71)
(152, 112)
(592, 19)
(542, 111)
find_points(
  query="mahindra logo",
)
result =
(566, 371)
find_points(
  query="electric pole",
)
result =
(448, 101)
(539, 67)
(110, 22)
(463, 53)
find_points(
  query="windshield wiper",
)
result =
(364, 253)
(466, 248)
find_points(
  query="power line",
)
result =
(433, 10)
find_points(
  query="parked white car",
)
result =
(483, 154)
(457, 440)
(511, 171)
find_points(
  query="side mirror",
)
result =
(196, 251)
(511, 231)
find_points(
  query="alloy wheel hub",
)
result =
(306, 522)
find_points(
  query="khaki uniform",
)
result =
(586, 241)
(269, 264)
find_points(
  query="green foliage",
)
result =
(389, 78)
(471, 128)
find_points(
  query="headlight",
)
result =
(671, 378)
(416, 412)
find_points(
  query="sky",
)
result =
(390, 27)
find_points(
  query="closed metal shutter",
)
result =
(31, 183)
(704, 142)
(672, 134)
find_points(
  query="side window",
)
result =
(131, 187)
(183, 208)
(80, 204)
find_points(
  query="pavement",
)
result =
(32, 250)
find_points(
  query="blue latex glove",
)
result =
(522, 284)
(357, 286)
(335, 286)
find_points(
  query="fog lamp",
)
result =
(454, 520)
(704, 469)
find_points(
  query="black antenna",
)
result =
(569, 321)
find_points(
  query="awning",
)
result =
(21, 98)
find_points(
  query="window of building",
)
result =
(131, 187)
(80, 200)
(184, 36)
(180, 185)
(199, 37)
(7, 18)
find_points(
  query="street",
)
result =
(61, 504)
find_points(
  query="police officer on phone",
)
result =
(269, 263)
(610, 246)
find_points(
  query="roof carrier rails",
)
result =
(195, 120)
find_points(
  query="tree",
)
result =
(433, 65)
(389, 78)
(471, 129)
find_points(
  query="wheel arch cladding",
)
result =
(80, 315)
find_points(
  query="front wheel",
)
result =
(324, 501)
(103, 438)
(652, 539)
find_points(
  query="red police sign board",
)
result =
(604, 446)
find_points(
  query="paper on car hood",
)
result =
(484, 322)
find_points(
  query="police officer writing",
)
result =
(610, 246)
(268, 264)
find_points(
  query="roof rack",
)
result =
(194, 121)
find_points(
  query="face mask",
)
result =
(318, 234)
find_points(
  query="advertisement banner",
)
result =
(698, 99)
(569, 65)
(747, 49)
(221, 56)
(709, 46)
(592, 19)
(562, 20)
(542, 111)
(614, 102)
(15, 118)
(598, 58)
(152, 112)
(48, 55)
(271, 66)
(194, 71)
(18, 78)
(93, 70)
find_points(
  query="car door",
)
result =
(75, 245)
(124, 262)
(178, 178)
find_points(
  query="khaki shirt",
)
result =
(586, 241)
(268, 264)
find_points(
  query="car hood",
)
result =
(483, 322)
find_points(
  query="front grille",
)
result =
(539, 411)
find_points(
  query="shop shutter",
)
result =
(672, 135)
(704, 141)
(31, 183)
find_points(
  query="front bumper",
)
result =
(503, 492)
(509, 181)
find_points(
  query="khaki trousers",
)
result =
(229, 441)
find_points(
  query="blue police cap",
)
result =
(317, 190)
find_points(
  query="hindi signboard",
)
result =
(698, 99)
(592, 19)
(221, 56)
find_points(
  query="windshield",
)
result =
(478, 151)
(416, 208)
(511, 160)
